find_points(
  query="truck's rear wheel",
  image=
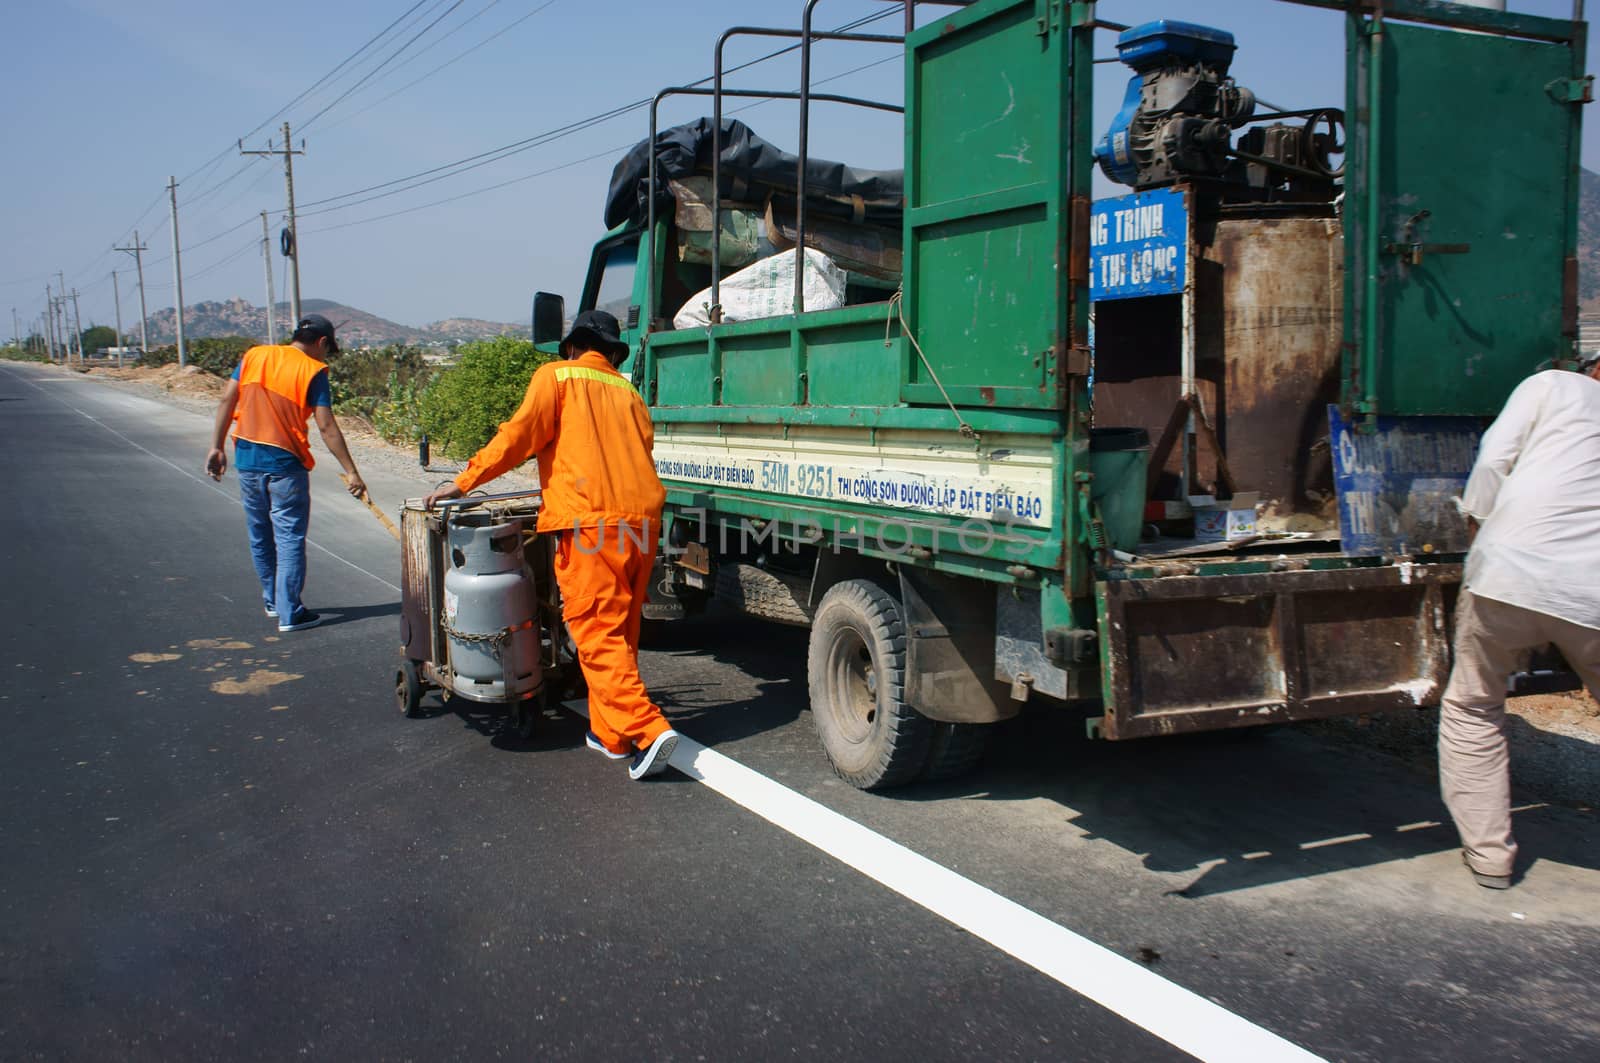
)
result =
(856, 669)
(956, 749)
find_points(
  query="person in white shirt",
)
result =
(1534, 497)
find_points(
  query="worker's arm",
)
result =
(528, 431)
(217, 458)
(333, 436)
(1501, 447)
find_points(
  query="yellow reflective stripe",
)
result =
(583, 372)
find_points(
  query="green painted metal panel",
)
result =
(683, 374)
(987, 148)
(850, 365)
(988, 330)
(1462, 197)
(758, 369)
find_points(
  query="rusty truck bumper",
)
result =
(1204, 652)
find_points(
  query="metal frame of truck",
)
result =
(975, 374)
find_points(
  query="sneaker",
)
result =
(1492, 882)
(592, 740)
(653, 759)
(272, 614)
(303, 619)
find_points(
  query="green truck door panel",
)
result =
(1474, 209)
(985, 182)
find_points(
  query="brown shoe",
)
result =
(1493, 882)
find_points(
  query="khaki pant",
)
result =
(1474, 765)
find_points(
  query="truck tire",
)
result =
(856, 670)
(956, 748)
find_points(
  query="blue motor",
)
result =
(1181, 107)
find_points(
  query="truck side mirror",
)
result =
(549, 317)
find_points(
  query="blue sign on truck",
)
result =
(1138, 245)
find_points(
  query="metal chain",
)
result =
(496, 639)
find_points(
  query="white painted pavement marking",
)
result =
(1178, 1016)
(197, 479)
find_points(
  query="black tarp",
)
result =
(748, 163)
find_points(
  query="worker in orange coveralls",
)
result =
(592, 435)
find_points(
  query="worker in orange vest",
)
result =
(275, 390)
(592, 435)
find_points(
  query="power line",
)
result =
(610, 153)
(369, 75)
(340, 65)
(473, 162)
(448, 62)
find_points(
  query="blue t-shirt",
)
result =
(264, 457)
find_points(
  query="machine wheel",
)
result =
(524, 718)
(856, 669)
(955, 749)
(408, 688)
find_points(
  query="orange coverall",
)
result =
(592, 435)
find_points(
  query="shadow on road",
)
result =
(1239, 808)
(349, 614)
(1244, 808)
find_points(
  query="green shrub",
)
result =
(12, 353)
(219, 356)
(464, 405)
(159, 356)
(360, 380)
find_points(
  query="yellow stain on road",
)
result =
(259, 682)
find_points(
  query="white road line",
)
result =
(197, 479)
(1178, 1016)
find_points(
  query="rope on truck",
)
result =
(897, 311)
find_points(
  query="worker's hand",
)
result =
(216, 463)
(355, 484)
(447, 491)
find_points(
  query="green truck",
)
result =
(1185, 455)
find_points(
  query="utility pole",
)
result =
(63, 337)
(293, 245)
(16, 330)
(61, 308)
(137, 251)
(116, 294)
(49, 324)
(272, 299)
(77, 325)
(177, 268)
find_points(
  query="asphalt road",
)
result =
(224, 843)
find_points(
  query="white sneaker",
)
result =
(653, 760)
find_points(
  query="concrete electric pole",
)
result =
(177, 268)
(137, 251)
(49, 325)
(116, 295)
(291, 242)
(272, 299)
(16, 330)
(77, 325)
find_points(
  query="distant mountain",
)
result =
(357, 328)
(1589, 241)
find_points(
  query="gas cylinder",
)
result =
(490, 610)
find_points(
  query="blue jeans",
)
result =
(277, 511)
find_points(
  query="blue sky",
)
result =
(107, 98)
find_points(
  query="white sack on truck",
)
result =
(766, 289)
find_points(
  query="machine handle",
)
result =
(473, 500)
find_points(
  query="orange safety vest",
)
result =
(272, 409)
(592, 435)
